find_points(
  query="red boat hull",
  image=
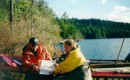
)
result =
(9, 71)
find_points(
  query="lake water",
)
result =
(105, 48)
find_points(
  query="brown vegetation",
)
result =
(12, 42)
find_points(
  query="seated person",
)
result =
(32, 55)
(74, 66)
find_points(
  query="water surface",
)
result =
(105, 48)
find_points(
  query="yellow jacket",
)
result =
(74, 59)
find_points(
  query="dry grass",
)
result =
(13, 42)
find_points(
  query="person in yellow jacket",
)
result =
(75, 66)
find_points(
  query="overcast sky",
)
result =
(114, 10)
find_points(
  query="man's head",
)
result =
(33, 41)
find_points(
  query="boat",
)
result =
(101, 69)
(109, 70)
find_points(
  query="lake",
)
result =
(104, 48)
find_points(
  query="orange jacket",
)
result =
(29, 58)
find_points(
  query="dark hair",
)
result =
(33, 40)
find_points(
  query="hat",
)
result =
(33, 40)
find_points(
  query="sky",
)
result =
(113, 10)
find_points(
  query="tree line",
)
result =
(92, 28)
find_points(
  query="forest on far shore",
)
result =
(92, 28)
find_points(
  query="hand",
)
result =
(36, 68)
(51, 72)
(56, 64)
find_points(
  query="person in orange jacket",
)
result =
(32, 55)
